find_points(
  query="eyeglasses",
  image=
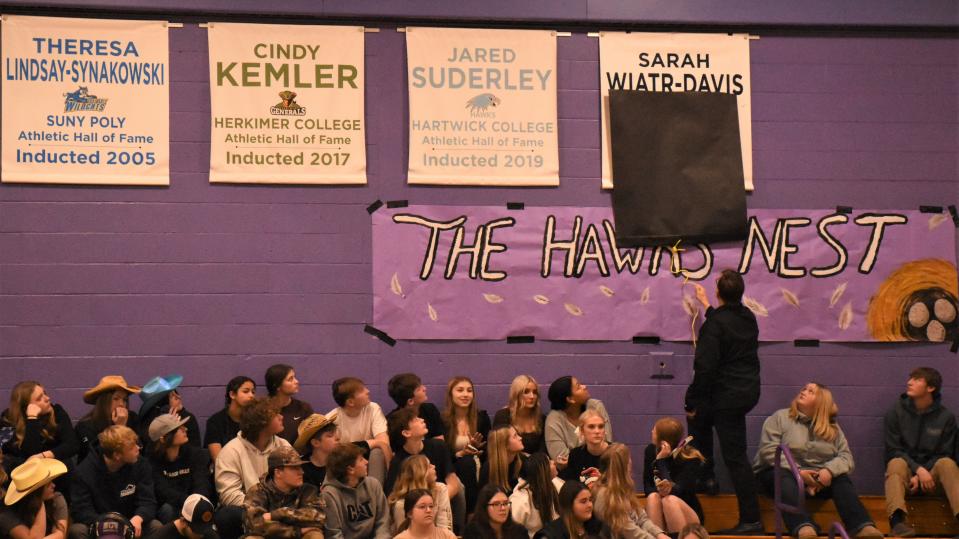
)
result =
(424, 507)
(499, 505)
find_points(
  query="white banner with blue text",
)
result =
(85, 101)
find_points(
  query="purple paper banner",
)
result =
(472, 273)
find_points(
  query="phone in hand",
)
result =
(681, 445)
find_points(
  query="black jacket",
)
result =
(475, 531)
(682, 473)
(595, 529)
(188, 474)
(726, 367)
(87, 432)
(919, 438)
(64, 443)
(94, 490)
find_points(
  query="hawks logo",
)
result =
(479, 106)
(81, 100)
(288, 106)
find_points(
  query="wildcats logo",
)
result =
(81, 100)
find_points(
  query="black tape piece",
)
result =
(806, 343)
(646, 339)
(844, 209)
(955, 346)
(397, 203)
(374, 206)
(515, 206)
(520, 339)
(955, 215)
(379, 334)
(930, 209)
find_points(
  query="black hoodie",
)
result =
(726, 367)
(921, 438)
(94, 490)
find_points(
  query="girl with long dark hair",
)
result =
(534, 501)
(576, 517)
(491, 516)
(224, 425)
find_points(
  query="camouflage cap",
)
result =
(284, 456)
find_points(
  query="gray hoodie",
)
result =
(355, 512)
(810, 451)
(921, 438)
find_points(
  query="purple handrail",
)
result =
(837, 527)
(778, 505)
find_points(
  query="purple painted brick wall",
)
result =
(212, 281)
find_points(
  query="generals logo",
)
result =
(81, 100)
(289, 106)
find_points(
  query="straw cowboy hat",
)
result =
(108, 383)
(310, 426)
(32, 475)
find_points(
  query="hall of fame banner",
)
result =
(85, 101)
(287, 104)
(656, 62)
(557, 273)
(482, 107)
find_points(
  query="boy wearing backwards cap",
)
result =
(281, 505)
(317, 435)
(160, 396)
(195, 522)
(179, 469)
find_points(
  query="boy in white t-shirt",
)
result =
(362, 422)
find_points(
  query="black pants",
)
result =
(854, 516)
(229, 521)
(730, 427)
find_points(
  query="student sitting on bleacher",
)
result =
(808, 427)
(920, 434)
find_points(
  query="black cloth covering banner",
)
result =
(678, 168)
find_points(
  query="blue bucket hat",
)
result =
(157, 389)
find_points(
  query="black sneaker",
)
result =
(744, 528)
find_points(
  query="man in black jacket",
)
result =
(113, 478)
(920, 434)
(725, 388)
